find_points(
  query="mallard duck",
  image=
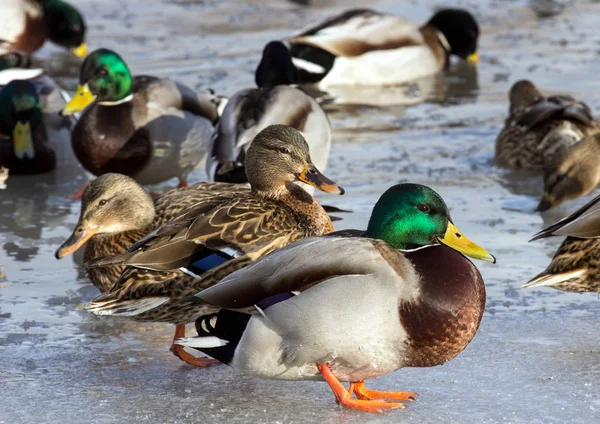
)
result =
(365, 47)
(352, 305)
(574, 174)
(539, 129)
(26, 24)
(148, 128)
(574, 266)
(274, 102)
(3, 176)
(24, 147)
(217, 235)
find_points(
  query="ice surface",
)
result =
(536, 358)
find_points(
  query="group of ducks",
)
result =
(252, 258)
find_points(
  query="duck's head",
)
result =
(523, 93)
(112, 203)
(276, 67)
(461, 31)
(575, 174)
(409, 216)
(104, 77)
(66, 26)
(278, 157)
(20, 114)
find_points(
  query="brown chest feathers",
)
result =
(444, 318)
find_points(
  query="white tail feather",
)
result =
(201, 342)
(128, 308)
(553, 279)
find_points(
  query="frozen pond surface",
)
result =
(536, 358)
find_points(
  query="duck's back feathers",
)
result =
(250, 111)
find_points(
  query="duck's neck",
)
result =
(310, 212)
(438, 44)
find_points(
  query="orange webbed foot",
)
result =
(361, 392)
(344, 397)
(186, 357)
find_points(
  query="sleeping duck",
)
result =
(352, 305)
(24, 147)
(574, 267)
(366, 47)
(540, 129)
(573, 174)
(213, 229)
(275, 101)
(26, 24)
(148, 128)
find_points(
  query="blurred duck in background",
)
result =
(275, 101)
(26, 24)
(366, 47)
(148, 128)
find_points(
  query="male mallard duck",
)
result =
(574, 266)
(273, 102)
(539, 129)
(217, 235)
(26, 24)
(24, 147)
(351, 305)
(574, 174)
(365, 47)
(148, 128)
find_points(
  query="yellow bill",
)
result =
(22, 140)
(79, 51)
(456, 240)
(83, 97)
(473, 58)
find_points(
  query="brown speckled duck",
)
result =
(351, 306)
(218, 235)
(575, 266)
(539, 129)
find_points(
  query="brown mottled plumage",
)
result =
(539, 129)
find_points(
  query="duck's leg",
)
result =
(79, 193)
(344, 397)
(361, 392)
(180, 352)
(183, 182)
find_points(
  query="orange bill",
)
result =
(83, 232)
(313, 177)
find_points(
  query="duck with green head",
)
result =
(148, 128)
(26, 24)
(24, 146)
(353, 305)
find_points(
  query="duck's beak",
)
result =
(313, 177)
(83, 97)
(22, 140)
(83, 232)
(456, 240)
(473, 58)
(79, 51)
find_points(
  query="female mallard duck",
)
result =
(24, 147)
(308, 308)
(217, 235)
(273, 102)
(148, 128)
(365, 47)
(575, 173)
(539, 129)
(574, 266)
(26, 24)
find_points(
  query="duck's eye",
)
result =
(424, 208)
(284, 150)
(102, 73)
(102, 202)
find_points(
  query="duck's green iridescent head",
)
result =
(20, 111)
(66, 26)
(409, 216)
(105, 77)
